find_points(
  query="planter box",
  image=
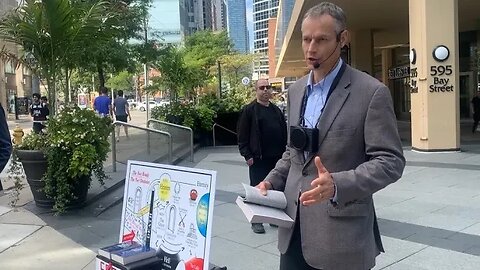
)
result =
(35, 165)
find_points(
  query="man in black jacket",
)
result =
(262, 136)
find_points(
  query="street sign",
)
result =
(245, 80)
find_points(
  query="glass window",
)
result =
(10, 67)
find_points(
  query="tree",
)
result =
(122, 81)
(174, 72)
(202, 50)
(236, 66)
(51, 32)
(117, 53)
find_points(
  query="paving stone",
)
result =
(395, 251)
(34, 253)
(21, 216)
(433, 258)
(12, 234)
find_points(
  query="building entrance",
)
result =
(466, 93)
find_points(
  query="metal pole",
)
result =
(148, 142)
(114, 150)
(213, 131)
(191, 146)
(15, 103)
(219, 79)
(145, 70)
(170, 149)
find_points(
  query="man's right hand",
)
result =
(264, 186)
(250, 161)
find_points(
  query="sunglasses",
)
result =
(265, 87)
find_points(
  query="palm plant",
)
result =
(52, 33)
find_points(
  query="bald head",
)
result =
(261, 82)
(263, 91)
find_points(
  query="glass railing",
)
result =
(142, 144)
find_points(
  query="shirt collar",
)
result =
(328, 79)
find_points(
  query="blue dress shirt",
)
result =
(317, 96)
(316, 101)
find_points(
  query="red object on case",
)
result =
(129, 236)
(194, 264)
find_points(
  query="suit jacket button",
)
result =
(304, 173)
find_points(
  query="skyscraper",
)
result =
(237, 25)
(203, 14)
(219, 15)
(168, 20)
(262, 11)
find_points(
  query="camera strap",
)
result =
(306, 93)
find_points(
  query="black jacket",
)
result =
(5, 142)
(248, 131)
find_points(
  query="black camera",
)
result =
(304, 139)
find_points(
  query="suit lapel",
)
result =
(296, 102)
(334, 105)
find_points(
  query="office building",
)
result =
(262, 11)
(15, 82)
(425, 51)
(219, 15)
(169, 21)
(237, 25)
(202, 10)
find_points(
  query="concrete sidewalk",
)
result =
(429, 219)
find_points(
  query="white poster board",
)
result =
(82, 101)
(181, 216)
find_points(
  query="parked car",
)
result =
(143, 106)
(132, 103)
(163, 102)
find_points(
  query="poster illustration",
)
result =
(178, 202)
(82, 101)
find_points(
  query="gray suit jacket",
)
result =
(360, 146)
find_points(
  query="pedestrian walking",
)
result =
(103, 104)
(122, 113)
(39, 112)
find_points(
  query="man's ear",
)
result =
(344, 38)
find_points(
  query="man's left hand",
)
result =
(323, 187)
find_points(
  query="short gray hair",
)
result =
(329, 9)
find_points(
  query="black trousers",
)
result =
(293, 259)
(260, 169)
(476, 119)
(37, 127)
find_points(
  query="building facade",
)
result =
(426, 52)
(203, 14)
(169, 20)
(219, 15)
(262, 11)
(237, 25)
(15, 81)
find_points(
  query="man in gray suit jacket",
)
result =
(343, 146)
